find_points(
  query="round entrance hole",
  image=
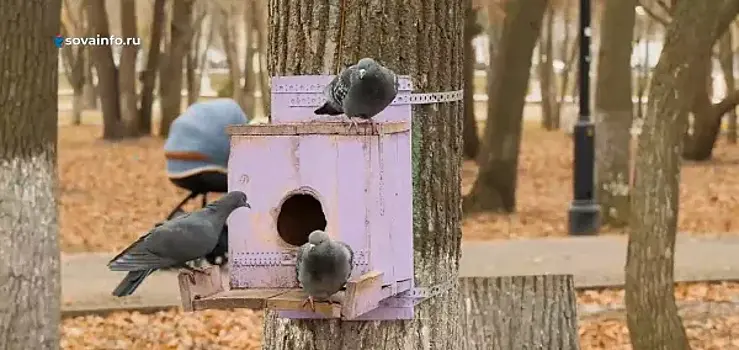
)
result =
(300, 214)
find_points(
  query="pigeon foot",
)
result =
(353, 123)
(309, 300)
(191, 271)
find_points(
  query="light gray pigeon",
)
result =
(362, 90)
(175, 242)
(323, 267)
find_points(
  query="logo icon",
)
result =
(58, 41)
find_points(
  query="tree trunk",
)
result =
(260, 19)
(191, 63)
(471, 29)
(102, 57)
(191, 66)
(149, 76)
(77, 107)
(546, 70)
(519, 312)
(643, 80)
(652, 315)
(74, 69)
(181, 31)
(127, 71)
(30, 286)
(202, 60)
(89, 92)
(418, 41)
(726, 59)
(569, 50)
(249, 85)
(614, 112)
(228, 39)
(495, 187)
(700, 142)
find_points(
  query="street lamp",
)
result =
(584, 218)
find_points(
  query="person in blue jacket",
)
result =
(197, 147)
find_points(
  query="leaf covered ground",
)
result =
(111, 193)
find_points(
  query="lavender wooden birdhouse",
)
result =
(304, 172)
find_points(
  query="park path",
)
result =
(594, 261)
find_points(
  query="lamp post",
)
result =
(584, 212)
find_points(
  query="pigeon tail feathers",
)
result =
(130, 283)
(327, 109)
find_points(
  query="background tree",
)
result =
(423, 39)
(73, 24)
(107, 72)
(127, 70)
(495, 187)
(702, 133)
(726, 60)
(259, 22)
(201, 42)
(173, 63)
(149, 76)
(545, 68)
(471, 30)
(556, 42)
(652, 315)
(29, 249)
(614, 111)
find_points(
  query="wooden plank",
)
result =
(205, 285)
(293, 301)
(255, 299)
(318, 128)
(362, 295)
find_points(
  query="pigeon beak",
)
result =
(247, 205)
(361, 73)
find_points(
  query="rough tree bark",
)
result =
(127, 71)
(726, 59)
(546, 69)
(614, 111)
(149, 76)
(423, 39)
(471, 30)
(171, 92)
(495, 187)
(652, 315)
(102, 57)
(519, 312)
(29, 250)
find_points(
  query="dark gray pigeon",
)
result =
(362, 90)
(323, 267)
(175, 242)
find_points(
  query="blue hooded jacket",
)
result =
(201, 128)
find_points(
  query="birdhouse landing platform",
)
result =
(363, 298)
